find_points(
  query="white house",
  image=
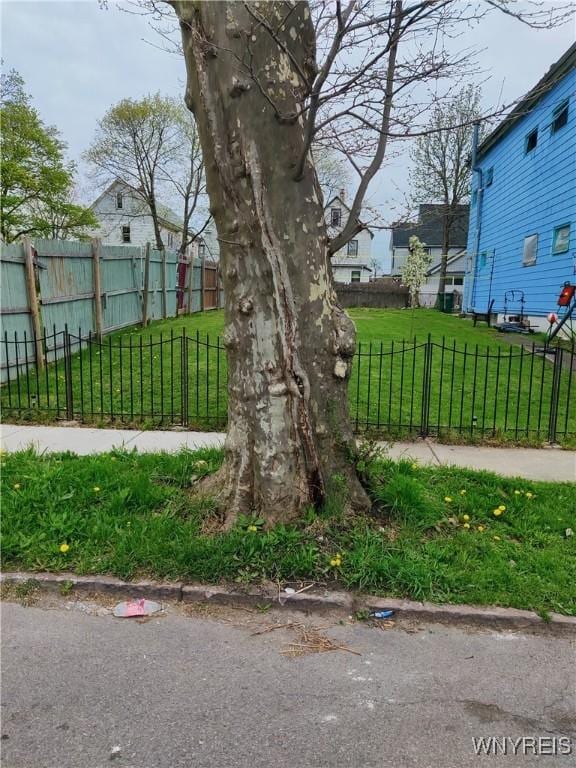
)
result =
(351, 264)
(125, 219)
(429, 229)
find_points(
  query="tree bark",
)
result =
(446, 227)
(288, 342)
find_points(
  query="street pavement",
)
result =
(550, 464)
(82, 690)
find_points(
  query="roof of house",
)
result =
(339, 199)
(353, 264)
(429, 227)
(449, 262)
(165, 214)
(555, 73)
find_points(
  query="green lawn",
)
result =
(133, 516)
(463, 384)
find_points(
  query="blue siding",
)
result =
(532, 193)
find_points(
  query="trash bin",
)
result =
(447, 303)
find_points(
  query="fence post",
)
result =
(190, 275)
(33, 302)
(68, 375)
(202, 283)
(426, 387)
(163, 284)
(97, 280)
(146, 286)
(555, 394)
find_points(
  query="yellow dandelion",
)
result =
(466, 525)
(463, 492)
(465, 518)
(529, 495)
(448, 499)
(64, 548)
(16, 486)
(480, 528)
(414, 466)
(252, 528)
(502, 508)
(517, 493)
(497, 512)
(96, 489)
(496, 538)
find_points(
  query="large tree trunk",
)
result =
(288, 342)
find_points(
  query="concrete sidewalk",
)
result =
(531, 463)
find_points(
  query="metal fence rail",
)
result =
(408, 388)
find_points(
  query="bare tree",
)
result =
(266, 80)
(440, 164)
(182, 173)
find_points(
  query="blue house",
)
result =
(522, 229)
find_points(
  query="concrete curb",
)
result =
(309, 602)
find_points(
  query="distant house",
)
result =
(351, 264)
(429, 230)
(522, 233)
(125, 219)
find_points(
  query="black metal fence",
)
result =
(407, 388)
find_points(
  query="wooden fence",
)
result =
(54, 284)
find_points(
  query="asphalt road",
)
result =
(87, 691)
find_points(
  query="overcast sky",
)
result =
(78, 59)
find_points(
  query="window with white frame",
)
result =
(561, 239)
(560, 116)
(335, 217)
(170, 239)
(126, 233)
(353, 248)
(355, 276)
(532, 140)
(530, 251)
(119, 200)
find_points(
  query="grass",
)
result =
(133, 516)
(464, 386)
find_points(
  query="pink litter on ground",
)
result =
(131, 608)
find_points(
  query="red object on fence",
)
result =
(566, 295)
(181, 284)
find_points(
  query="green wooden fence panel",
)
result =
(15, 317)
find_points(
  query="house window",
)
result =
(170, 239)
(531, 140)
(119, 200)
(201, 250)
(126, 234)
(483, 259)
(560, 117)
(458, 281)
(335, 217)
(489, 176)
(355, 276)
(530, 250)
(353, 248)
(561, 239)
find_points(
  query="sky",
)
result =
(78, 59)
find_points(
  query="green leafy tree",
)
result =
(36, 180)
(140, 142)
